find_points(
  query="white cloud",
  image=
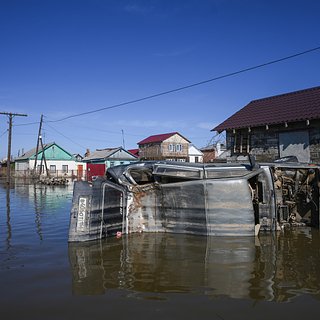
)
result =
(174, 53)
(206, 125)
(138, 9)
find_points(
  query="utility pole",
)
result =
(10, 115)
(44, 159)
(37, 149)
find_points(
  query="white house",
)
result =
(58, 162)
(195, 155)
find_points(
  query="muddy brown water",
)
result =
(146, 276)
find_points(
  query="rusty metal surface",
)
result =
(184, 198)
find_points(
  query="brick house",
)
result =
(168, 146)
(278, 126)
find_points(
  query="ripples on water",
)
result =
(158, 275)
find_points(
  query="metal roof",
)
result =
(160, 138)
(32, 153)
(101, 154)
(289, 107)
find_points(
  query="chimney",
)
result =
(87, 154)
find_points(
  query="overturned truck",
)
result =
(202, 199)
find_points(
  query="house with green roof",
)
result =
(52, 159)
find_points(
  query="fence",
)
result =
(73, 174)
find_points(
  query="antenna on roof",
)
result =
(123, 144)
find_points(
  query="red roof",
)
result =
(135, 152)
(290, 107)
(160, 138)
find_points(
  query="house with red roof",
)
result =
(135, 152)
(278, 126)
(167, 146)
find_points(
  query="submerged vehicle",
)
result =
(226, 199)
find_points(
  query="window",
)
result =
(179, 147)
(196, 159)
(64, 168)
(53, 168)
(40, 168)
(170, 147)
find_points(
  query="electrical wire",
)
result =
(66, 136)
(4, 133)
(188, 86)
(106, 131)
(26, 124)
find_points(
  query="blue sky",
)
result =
(61, 58)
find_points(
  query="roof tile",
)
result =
(157, 138)
(289, 107)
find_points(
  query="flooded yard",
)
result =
(146, 275)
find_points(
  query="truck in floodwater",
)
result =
(239, 199)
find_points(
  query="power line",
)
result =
(106, 131)
(187, 86)
(65, 136)
(26, 124)
(3, 133)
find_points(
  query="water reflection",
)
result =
(271, 267)
(8, 222)
(27, 206)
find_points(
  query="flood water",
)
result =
(146, 276)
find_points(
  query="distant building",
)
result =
(213, 152)
(135, 152)
(78, 156)
(168, 146)
(100, 160)
(58, 161)
(275, 127)
(195, 155)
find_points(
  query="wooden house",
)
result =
(100, 160)
(276, 127)
(168, 146)
(52, 160)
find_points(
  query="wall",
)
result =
(195, 153)
(175, 140)
(21, 166)
(150, 151)
(26, 168)
(95, 169)
(192, 158)
(264, 144)
(209, 155)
